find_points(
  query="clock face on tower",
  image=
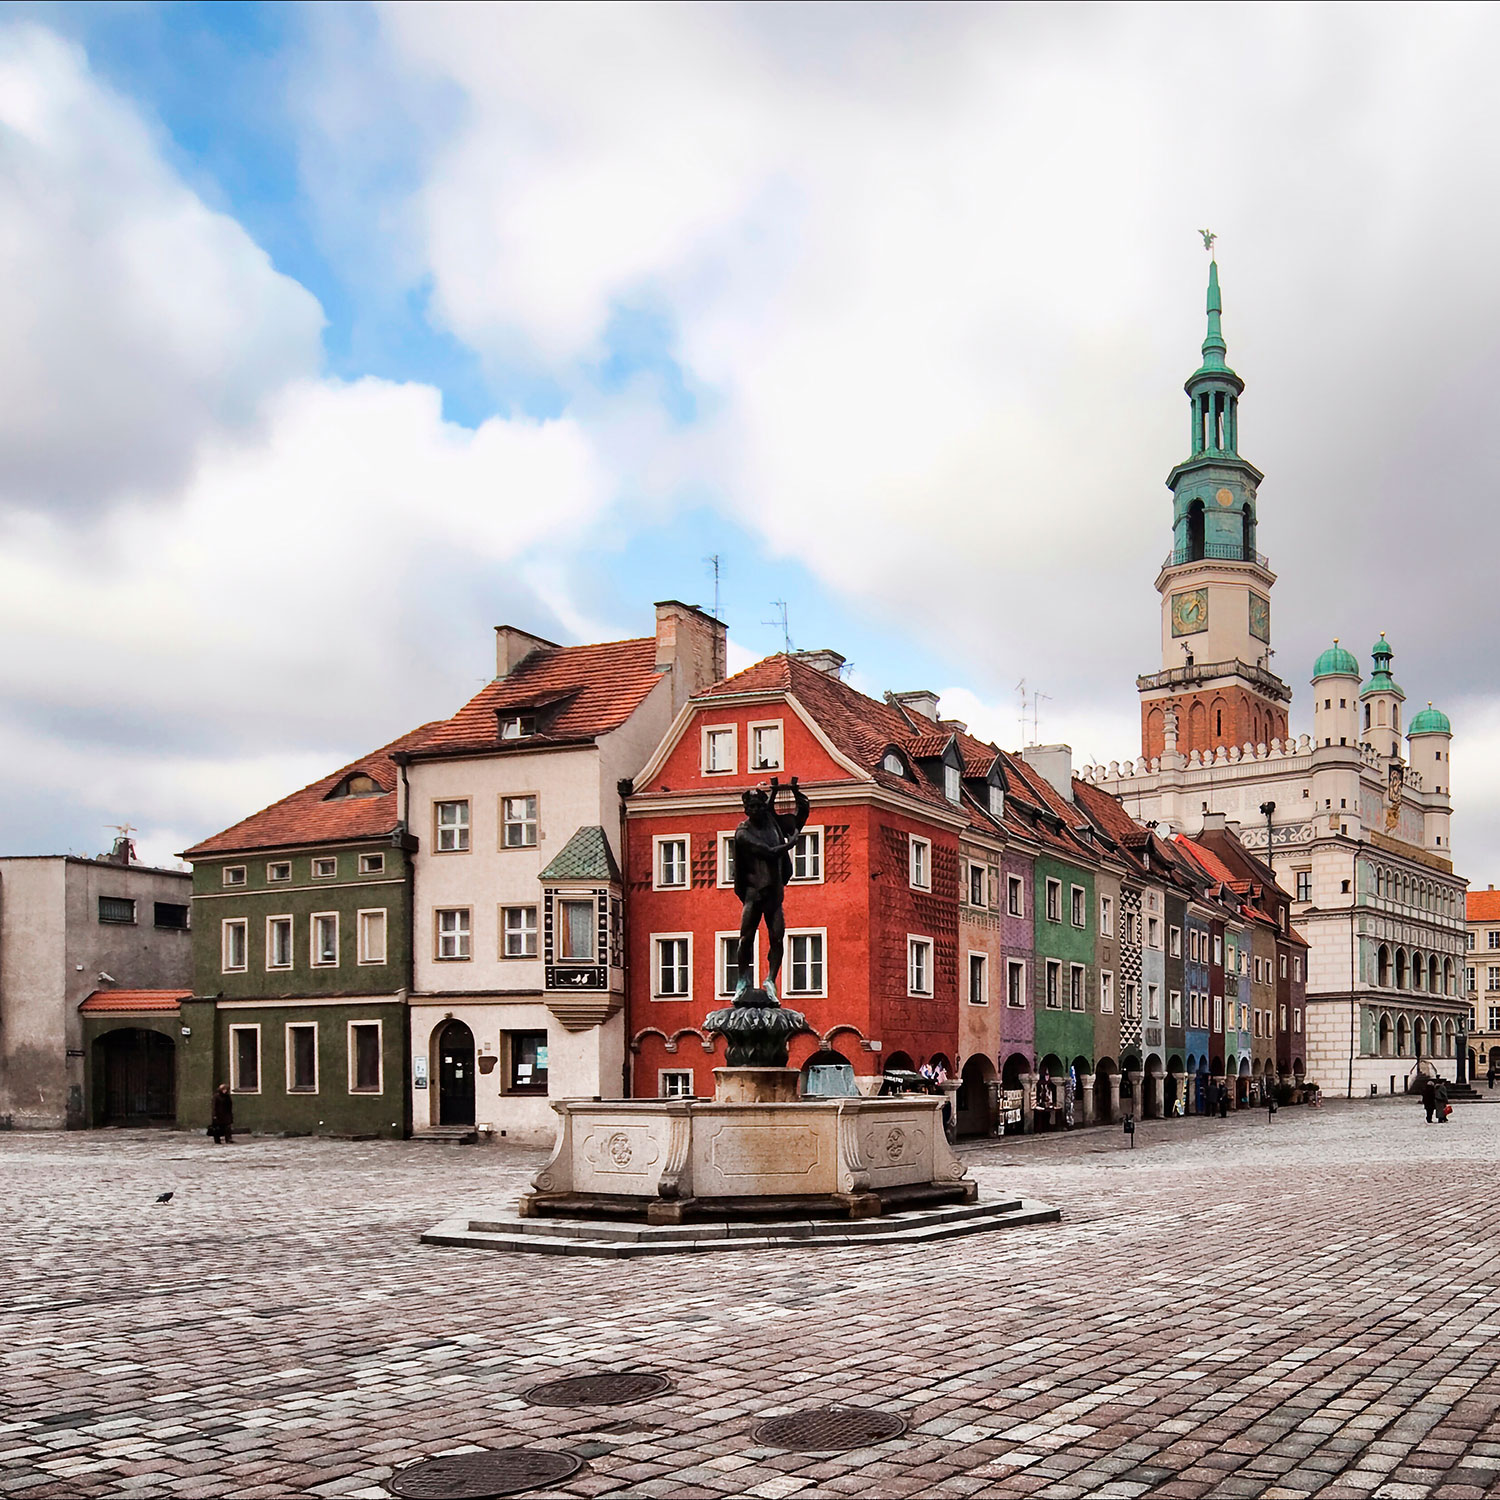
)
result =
(1190, 612)
(1260, 618)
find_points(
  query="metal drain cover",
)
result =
(829, 1429)
(612, 1388)
(479, 1476)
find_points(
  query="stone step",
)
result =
(447, 1135)
(613, 1241)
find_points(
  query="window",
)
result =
(1297, 966)
(1153, 932)
(1492, 977)
(893, 763)
(1106, 992)
(674, 1083)
(765, 747)
(978, 979)
(1106, 916)
(1297, 1019)
(365, 1073)
(1080, 911)
(1469, 940)
(372, 864)
(451, 927)
(1174, 942)
(1015, 984)
(517, 726)
(1153, 1002)
(1492, 938)
(171, 916)
(370, 936)
(233, 944)
(518, 929)
(726, 859)
(729, 973)
(952, 783)
(234, 874)
(1054, 984)
(1054, 900)
(1469, 978)
(278, 871)
(1494, 1018)
(527, 1072)
(1218, 1013)
(518, 822)
(918, 966)
(807, 856)
(1304, 885)
(278, 942)
(1283, 965)
(718, 750)
(805, 973)
(1282, 1018)
(451, 820)
(325, 869)
(1015, 902)
(921, 864)
(1174, 1008)
(325, 939)
(244, 1059)
(575, 931)
(673, 968)
(671, 863)
(976, 886)
(997, 801)
(117, 910)
(1075, 987)
(302, 1057)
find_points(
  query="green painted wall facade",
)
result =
(1065, 1032)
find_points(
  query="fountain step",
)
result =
(563, 1237)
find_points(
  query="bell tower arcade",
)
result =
(1215, 587)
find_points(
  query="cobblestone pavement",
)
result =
(1305, 1306)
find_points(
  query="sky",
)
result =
(336, 335)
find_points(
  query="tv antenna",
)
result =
(779, 605)
(713, 562)
(1037, 699)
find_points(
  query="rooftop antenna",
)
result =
(1021, 689)
(786, 630)
(1036, 716)
(713, 562)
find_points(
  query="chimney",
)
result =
(1213, 823)
(822, 660)
(691, 645)
(921, 701)
(513, 646)
(1054, 763)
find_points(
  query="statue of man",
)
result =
(762, 867)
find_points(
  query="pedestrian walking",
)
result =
(1223, 1102)
(1429, 1096)
(1070, 1093)
(221, 1121)
(1492, 1070)
(1440, 1099)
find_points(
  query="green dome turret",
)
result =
(1381, 680)
(1430, 721)
(1336, 662)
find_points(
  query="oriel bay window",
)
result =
(325, 939)
(672, 970)
(518, 822)
(278, 942)
(302, 1057)
(526, 1070)
(364, 1057)
(805, 965)
(518, 924)
(575, 931)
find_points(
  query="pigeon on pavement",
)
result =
(163, 1197)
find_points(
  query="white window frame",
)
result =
(983, 904)
(524, 823)
(534, 930)
(918, 862)
(725, 859)
(575, 898)
(291, 937)
(1153, 934)
(662, 1074)
(331, 873)
(312, 940)
(710, 730)
(724, 960)
(1130, 999)
(1015, 966)
(1078, 907)
(1078, 987)
(235, 1086)
(984, 978)
(1015, 887)
(243, 923)
(1174, 1007)
(372, 864)
(290, 1027)
(1283, 965)
(1296, 966)
(361, 931)
(1174, 942)
(953, 783)
(272, 866)
(461, 831)
(1106, 992)
(821, 933)
(234, 874)
(1106, 916)
(1153, 1002)
(1218, 1013)
(1052, 985)
(379, 1058)
(1218, 950)
(657, 938)
(915, 942)
(1053, 910)
(658, 866)
(814, 834)
(752, 731)
(465, 935)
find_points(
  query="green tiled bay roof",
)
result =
(586, 856)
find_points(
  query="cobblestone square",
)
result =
(1279, 1308)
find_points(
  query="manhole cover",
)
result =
(829, 1429)
(478, 1476)
(614, 1388)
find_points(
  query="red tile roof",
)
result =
(1484, 906)
(105, 1001)
(580, 692)
(310, 817)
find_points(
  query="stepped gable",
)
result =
(314, 816)
(577, 692)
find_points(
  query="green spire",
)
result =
(1213, 345)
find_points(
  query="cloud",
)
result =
(137, 320)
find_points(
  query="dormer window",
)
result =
(997, 801)
(893, 763)
(952, 783)
(517, 726)
(358, 784)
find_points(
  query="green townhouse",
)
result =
(302, 961)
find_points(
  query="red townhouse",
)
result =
(903, 805)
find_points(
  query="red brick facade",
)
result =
(1227, 716)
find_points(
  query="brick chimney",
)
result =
(513, 646)
(921, 701)
(691, 645)
(1054, 763)
(822, 660)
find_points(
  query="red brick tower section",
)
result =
(1226, 714)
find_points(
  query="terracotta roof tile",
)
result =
(1484, 906)
(106, 1001)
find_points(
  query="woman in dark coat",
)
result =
(222, 1119)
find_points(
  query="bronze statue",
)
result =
(763, 846)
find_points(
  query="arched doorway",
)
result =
(1103, 1108)
(1242, 1083)
(1385, 1036)
(1151, 1092)
(1017, 1065)
(975, 1114)
(139, 1073)
(455, 1075)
